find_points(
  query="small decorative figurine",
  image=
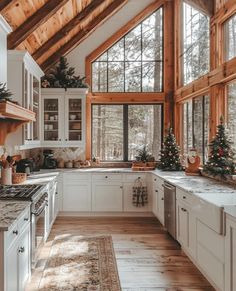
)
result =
(193, 163)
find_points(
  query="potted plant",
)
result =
(144, 159)
(5, 94)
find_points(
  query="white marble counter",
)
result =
(10, 211)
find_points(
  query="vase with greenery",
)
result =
(5, 94)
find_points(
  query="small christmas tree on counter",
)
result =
(221, 158)
(170, 158)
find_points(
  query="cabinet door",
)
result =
(24, 258)
(12, 267)
(36, 108)
(182, 225)
(107, 197)
(77, 197)
(74, 119)
(53, 120)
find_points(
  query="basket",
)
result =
(18, 178)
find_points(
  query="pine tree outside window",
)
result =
(135, 62)
(230, 38)
(231, 106)
(195, 55)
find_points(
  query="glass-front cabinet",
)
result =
(24, 82)
(63, 117)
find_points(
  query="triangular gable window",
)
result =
(135, 62)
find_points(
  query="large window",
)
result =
(195, 44)
(231, 113)
(135, 62)
(230, 38)
(196, 126)
(119, 131)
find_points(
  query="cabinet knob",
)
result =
(21, 250)
(56, 193)
(15, 232)
(156, 191)
(162, 198)
(183, 209)
(184, 197)
(106, 177)
(155, 179)
(66, 139)
(26, 219)
(121, 187)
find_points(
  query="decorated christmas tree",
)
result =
(170, 158)
(62, 76)
(221, 158)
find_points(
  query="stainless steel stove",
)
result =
(38, 195)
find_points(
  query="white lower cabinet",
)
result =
(17, 255)
(230, 254)
(77, 196)
(182, 224)
(107, 196)
(160, 205)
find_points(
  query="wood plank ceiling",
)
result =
(51, 28)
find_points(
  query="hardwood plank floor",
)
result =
(148, 258)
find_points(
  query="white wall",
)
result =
(4, 30)
(76, 58)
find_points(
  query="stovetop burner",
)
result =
(19, 192)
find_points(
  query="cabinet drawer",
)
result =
(24, 220)
(135, 176)
(74, 177)
(107, 177)
(11, 235)
(157, 182)
(185, 197)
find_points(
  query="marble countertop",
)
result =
(10, 211)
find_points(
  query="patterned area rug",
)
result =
(81, 263)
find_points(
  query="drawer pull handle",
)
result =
(21, 250)
(156, 191)
(26, 219)
(15, 232)
(183, 209)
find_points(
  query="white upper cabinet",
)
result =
(5, 29)
(63, 117)
(24, 82)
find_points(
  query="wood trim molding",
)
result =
(84, 33)
(63, 32)
(4, 25)
(205, 6)
(4, 4)
(33, 22)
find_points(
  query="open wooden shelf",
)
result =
(9, 110)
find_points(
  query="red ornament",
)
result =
(221, 152)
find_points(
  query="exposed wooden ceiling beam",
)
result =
(33, 22)
(82, 34)
(67, 28)
(4, 4)
(206, 6)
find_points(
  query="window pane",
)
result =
(133, 77)
(99, 73)
(144, 127)
(152, 35)
(152, 77)
(115, 77)
(133, 44)
(107, 132)
(196, 43)
(230, 38)
(187, 128)
(206, 126)
(198, 126)
(231, 113)
(116, 52)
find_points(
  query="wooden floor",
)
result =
(147, 258)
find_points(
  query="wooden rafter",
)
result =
(33, 22)
(4, 4)
(83, 33)
(67, 28)
(206, 6)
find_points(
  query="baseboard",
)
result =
(111, 214)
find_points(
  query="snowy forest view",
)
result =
(230, 38)
(134, 63)
(196, 44)
(118, 131)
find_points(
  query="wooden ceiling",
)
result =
(48, 29)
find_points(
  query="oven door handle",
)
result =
(39, 212)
